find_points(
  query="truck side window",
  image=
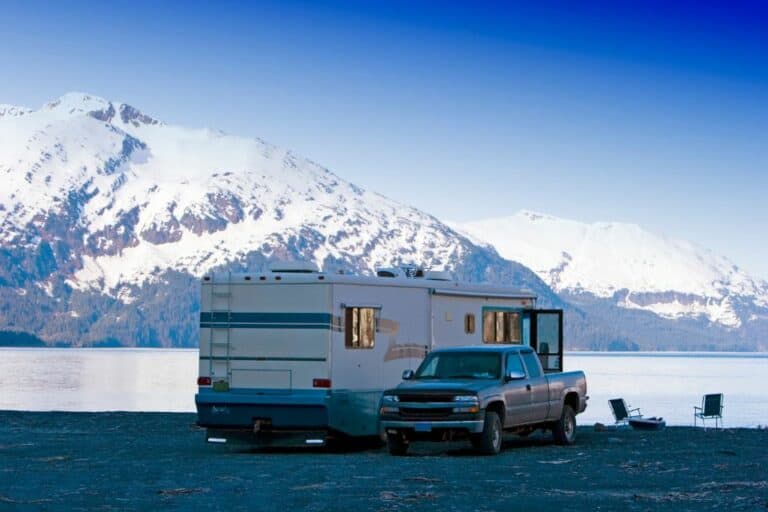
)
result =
(502, 327)
(359, 327)
(514, 364)
(532, 363)
(469, 323)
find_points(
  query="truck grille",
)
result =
(426, 398)
(441, 412)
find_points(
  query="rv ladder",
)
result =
(220, 334)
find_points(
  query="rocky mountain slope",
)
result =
(108, 217)
(626, 267)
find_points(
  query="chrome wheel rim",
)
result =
(569, 427)
(496, 436)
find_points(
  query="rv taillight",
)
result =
(321, 383)
(203, 381)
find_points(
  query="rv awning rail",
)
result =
(360, 305)
(489, 295)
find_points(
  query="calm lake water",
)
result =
(667, 384)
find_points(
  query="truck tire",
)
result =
(396, 444)
(488, 442)
(564, 429)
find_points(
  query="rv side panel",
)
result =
(360, 373)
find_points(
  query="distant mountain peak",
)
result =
(7, 111)
(76, 102)
(625, 263)
(80, 103)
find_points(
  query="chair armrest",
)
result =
(697, 408)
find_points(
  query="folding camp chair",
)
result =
(622, 412)
(711, 408)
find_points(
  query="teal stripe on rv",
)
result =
(245, 358)
(266, 320)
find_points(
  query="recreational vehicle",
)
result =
(299, 355)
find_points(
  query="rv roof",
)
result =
(439, 287)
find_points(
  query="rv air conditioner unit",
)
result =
(438, 275)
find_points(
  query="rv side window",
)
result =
(469, 323)
(359, 327)
(502, 327)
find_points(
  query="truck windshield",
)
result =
(460, 365)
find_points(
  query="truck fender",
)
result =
(574, 403)
(492, 401)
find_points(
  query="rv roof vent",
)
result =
(296, 267)
(437, 275)
(411, 271)
(388, 272)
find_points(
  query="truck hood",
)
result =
(452, 386)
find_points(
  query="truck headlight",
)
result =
(390, 398)
(465, 398)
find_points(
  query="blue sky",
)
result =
(655, 114)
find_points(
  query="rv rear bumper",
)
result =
(245, 409)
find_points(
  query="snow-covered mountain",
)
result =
(103, 206)
(108, 216)
(634, 268)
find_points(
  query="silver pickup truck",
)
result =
(481, 392)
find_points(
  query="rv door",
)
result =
(547, 338)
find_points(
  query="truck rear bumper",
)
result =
(472, 426)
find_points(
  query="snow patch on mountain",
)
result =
(12, 110)
(141, 196)
(671, 278)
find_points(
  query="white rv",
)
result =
(295, 354)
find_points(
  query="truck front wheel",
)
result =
(488, 441)
(564, 429)
(397, 444)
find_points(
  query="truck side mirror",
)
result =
(407, 374)
(514, 375)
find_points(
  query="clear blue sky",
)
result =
(648, 113)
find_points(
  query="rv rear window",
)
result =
(359, 327)
(502, 327)
(469, 323)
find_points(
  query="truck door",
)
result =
(547, 338)
(517, 393)
(539, 387)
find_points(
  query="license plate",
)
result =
(423, 427)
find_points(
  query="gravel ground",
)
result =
(147, 461)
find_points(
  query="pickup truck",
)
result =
(480, 393)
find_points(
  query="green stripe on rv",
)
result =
(245, 358)
(266, 320)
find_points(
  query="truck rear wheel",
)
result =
(564, 429)
(488, 442)
(397, 444)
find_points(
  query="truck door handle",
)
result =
(528, 387)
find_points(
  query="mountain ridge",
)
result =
(109, 217)
(625, 263)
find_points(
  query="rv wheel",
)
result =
(397, 444)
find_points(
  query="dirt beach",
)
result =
(144, 461)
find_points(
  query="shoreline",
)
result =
(571, 353)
